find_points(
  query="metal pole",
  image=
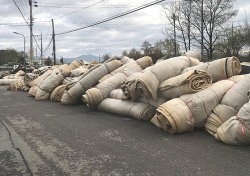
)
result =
(23, 46)
(41, 48)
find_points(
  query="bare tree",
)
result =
(215, 14)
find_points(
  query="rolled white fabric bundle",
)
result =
(183, 114)
(78, 71)
(96, 95)
(219, 69)
(19, 73)
(156, 103)
(193, 54)
(48, 85)
(189, 82)
(8, 81)
(88, 80)
(148, 82)
(28, 77)
(230, 104)
(117, 94)
(139, 111)
(65, 70)
(236, 130)
(127, 70)
(56, 94)
(75, 64)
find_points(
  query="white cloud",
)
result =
(111, 37)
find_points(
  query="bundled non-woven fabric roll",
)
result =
(144, 62)
(117, 94)
(148, 82)
(48, 85)
(126, 60)
(191, 110)
(193, 54)
(230, 104)
(18, 85)
(126, 69)
(78, 71)
(156, 103)
(20, 73)
(219, 69)
(96, 95)
(139, 111)
(40, 78)
(8, 81)
(75, 64)
(28, 77)
(236, 130)
(56, 94)
(88, 80)
(189, 82)
(65, 70)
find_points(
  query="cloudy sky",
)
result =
(111, 37)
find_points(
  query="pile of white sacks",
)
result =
(177, 94)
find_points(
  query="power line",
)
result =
(20, 12)
(80, 9)
(114, 17)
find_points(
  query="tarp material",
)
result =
(88, 80)
(219, 69)
(191, 110)
(230, 104)
(236, 130)
(189, 82)
(148, 82)
(139, 111)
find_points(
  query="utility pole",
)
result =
(175, 52)
(202, 35)
(31, 33)
(54, 42)
(41, 48)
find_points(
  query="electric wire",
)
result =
(79, 9)
(113, 17)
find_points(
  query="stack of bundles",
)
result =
(28, 77)
(8, 81)
(230, 104)
(189, 82)
(130, 66)
(119, 94)
(75, 64)
(18, 85)
(79, 71)
(219, 69)
(96, 95)
(41, 70)
(147, 83)
(64, 69)
(140, 111)
(34, 84)
(191, 110)
(236, 130)
(88, 80)
(56, 94)
(49, 84)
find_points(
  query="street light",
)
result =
(23, 46)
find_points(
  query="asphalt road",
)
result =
(48, 138)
